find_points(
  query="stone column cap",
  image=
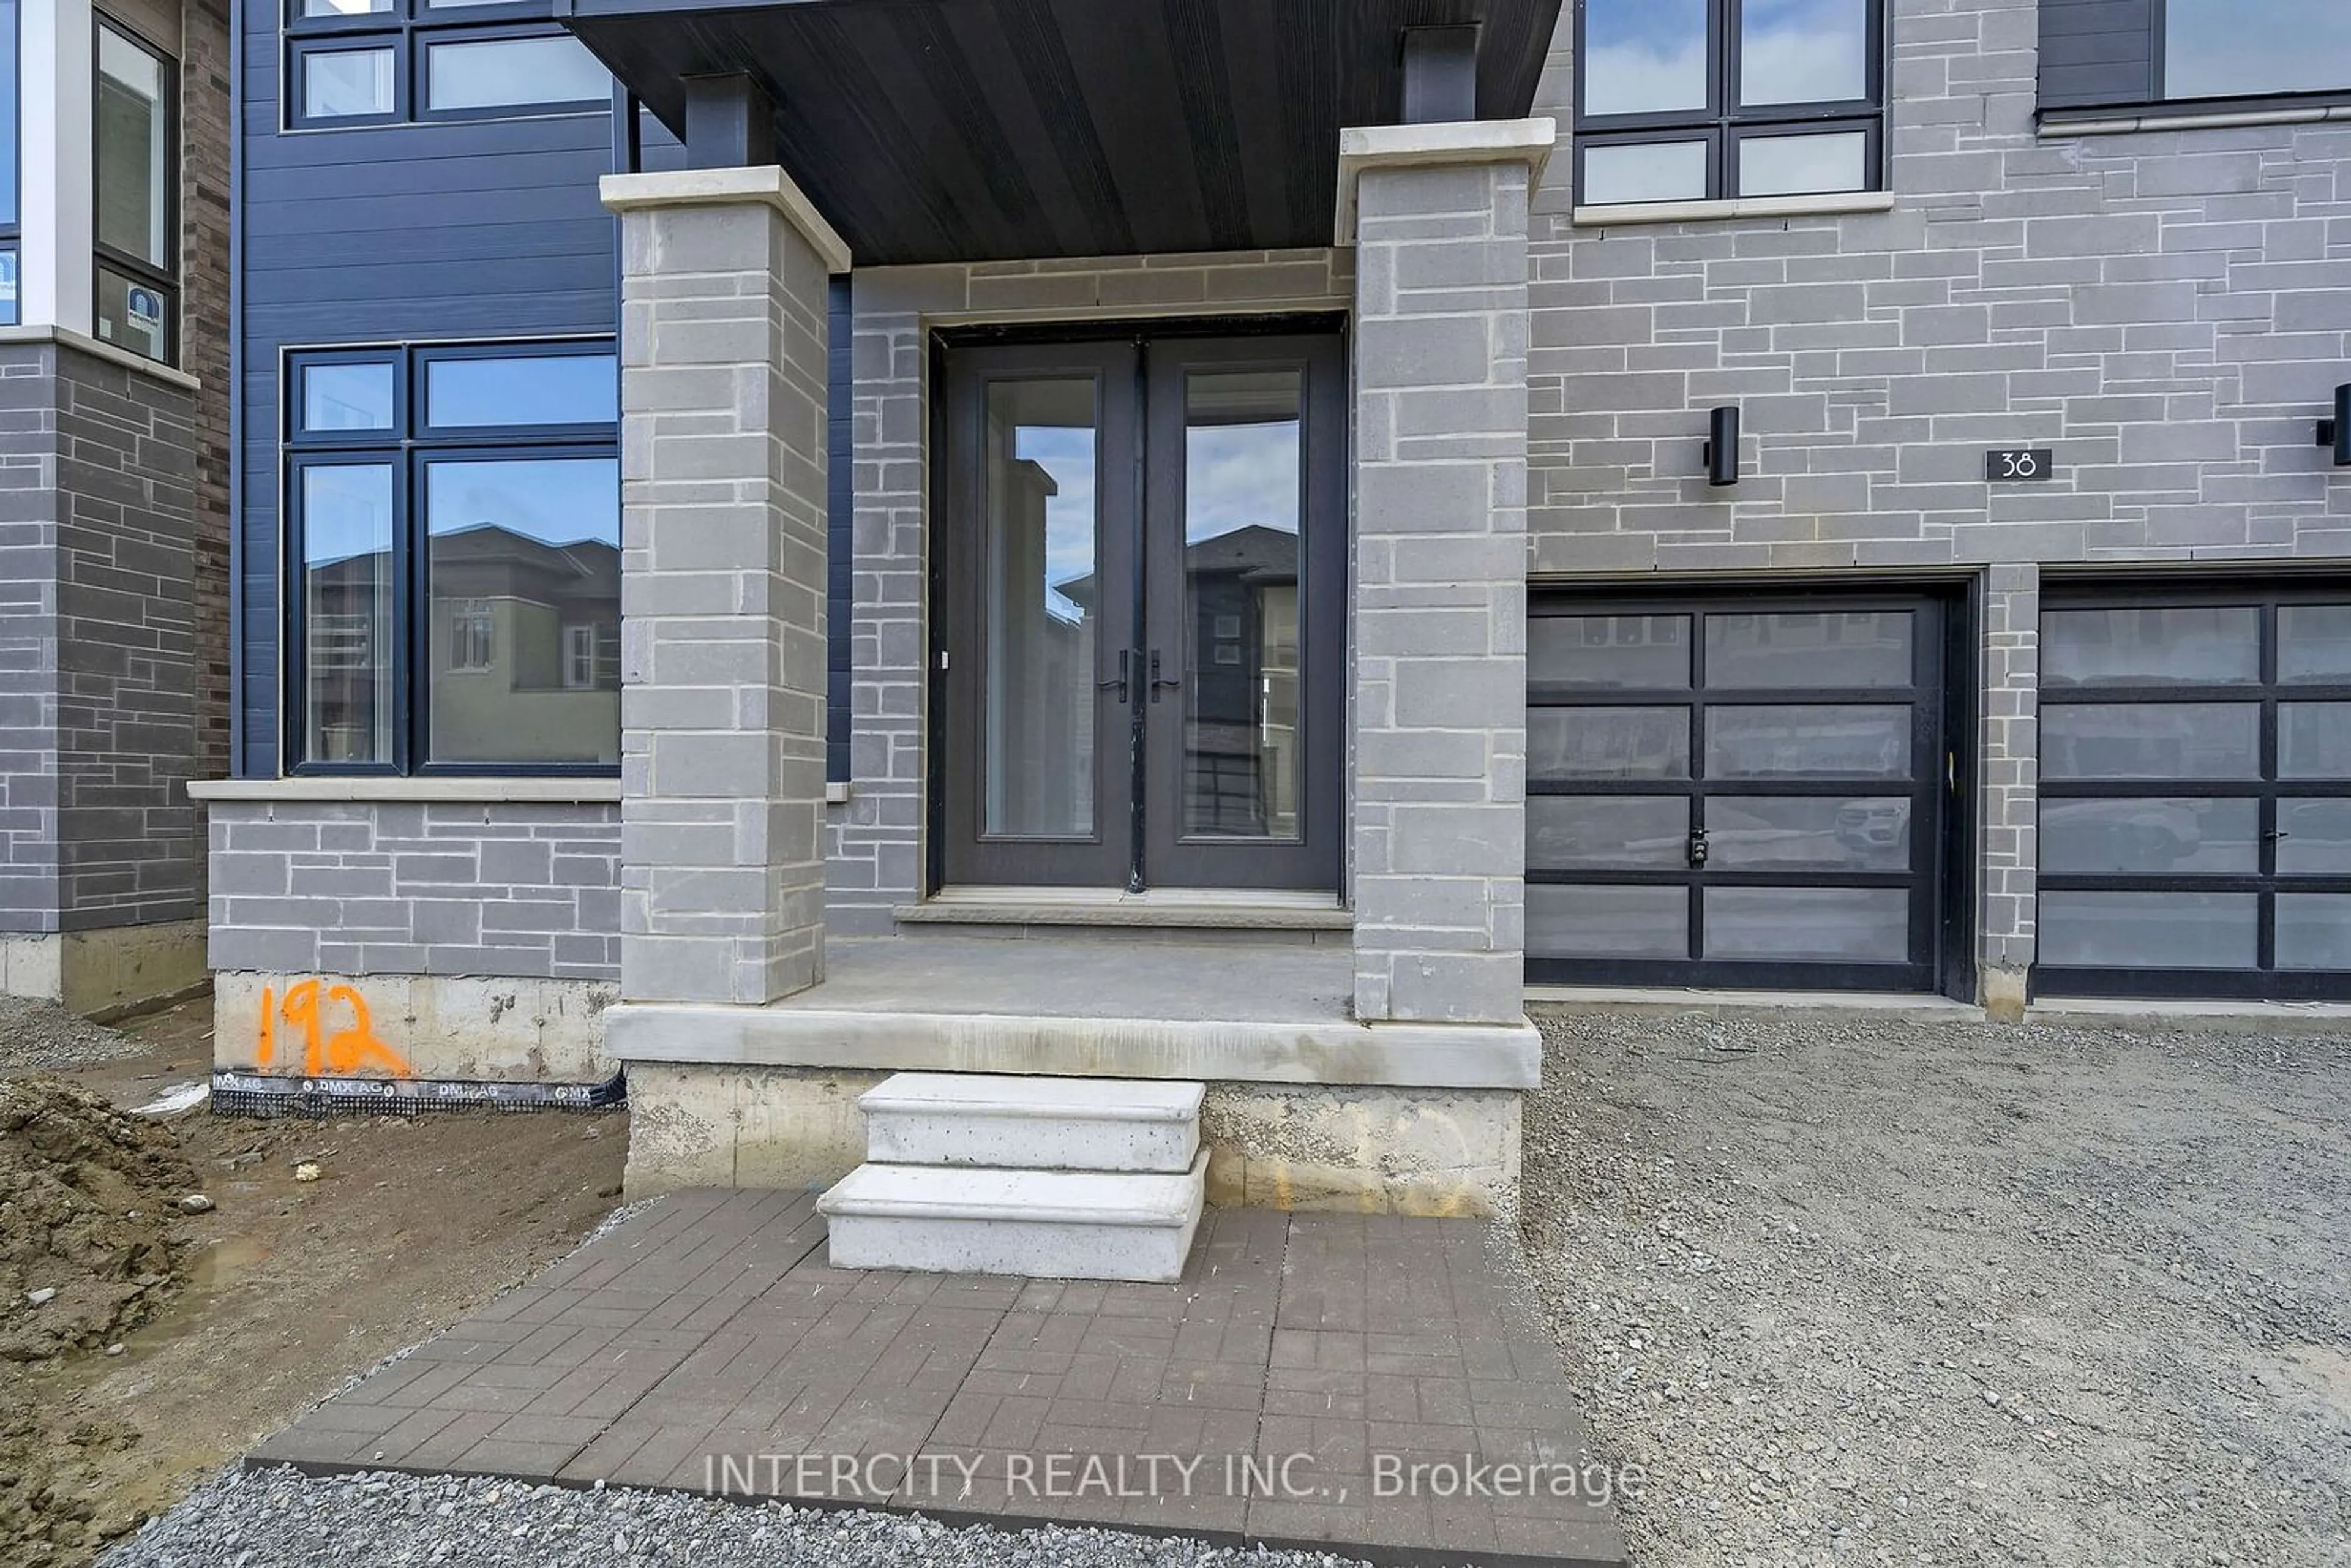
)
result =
(1362, 147)
(766, 186)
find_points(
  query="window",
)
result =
(455, 534)
(384, 62)
(1684, 101)
(8, 139)
(2251, 48)
(580, 657)
(137, 228)
(473, 637)
(473, 75)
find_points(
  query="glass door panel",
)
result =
(1038, 616)
(1244, 564)
(1039, 613)
(1243, 490)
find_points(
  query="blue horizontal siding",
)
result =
(395, 234)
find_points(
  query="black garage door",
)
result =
(2196, 793)
(1736, 792)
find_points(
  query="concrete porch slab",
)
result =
(1142, 1010)
(1326, 1378)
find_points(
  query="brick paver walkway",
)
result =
(1357, 1384)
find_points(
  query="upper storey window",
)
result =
(1686, 101)
(135, 178)
(386, 62)
(2250, 48)
(2221, 56)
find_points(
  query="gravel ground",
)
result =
(1859, 1290)
(42, 1037)
(278, 1520)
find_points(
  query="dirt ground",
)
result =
(286, 1289)
(1861, 1290)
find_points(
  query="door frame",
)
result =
(1941, 900)
(1312, 859)
(953, 584)
(967, 853)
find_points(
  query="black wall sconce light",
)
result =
(2336, 432)
(1722, 446)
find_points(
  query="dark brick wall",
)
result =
(129, 851)
(97, 719)
(205, 73)
(28, 723)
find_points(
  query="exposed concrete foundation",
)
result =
(2001, 992)
(756, 1126)
(432, 1027)
(111, 972)
(1360, 1150)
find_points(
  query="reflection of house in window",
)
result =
(347, 627)
(534, 645)
(1241, 747)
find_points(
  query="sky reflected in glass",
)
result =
(2239, 48)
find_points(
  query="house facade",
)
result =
(114, 411)
(778, 545)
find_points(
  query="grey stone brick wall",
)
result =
(2168, 310)
(875, 840)
(2009, 765)
(97, 737)
(2165, 310)
(505, 888)
(722, 458)
(1440, 625)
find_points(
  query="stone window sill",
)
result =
(67, 337)
(1630, 213)
(429, 791)
(2162, 116)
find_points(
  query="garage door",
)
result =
(2196, 793)
(1736, 793)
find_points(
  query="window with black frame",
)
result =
(1688, 100)
(453, 546)
(386, 62)
(133, 188)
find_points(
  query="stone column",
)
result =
(2011, 786)
(721, 583)
(1439, 216)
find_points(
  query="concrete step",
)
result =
(1039, 1225)
(1032, 1123)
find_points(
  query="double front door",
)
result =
(1140, 598)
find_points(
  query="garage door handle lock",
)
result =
(1697, 849)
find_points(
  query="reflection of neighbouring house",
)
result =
(526, 648)
(1241, 772)
(1240, 740)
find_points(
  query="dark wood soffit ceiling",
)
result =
(997, 129)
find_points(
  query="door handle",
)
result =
(1119, 680)
(1159, 682)
(1697, 849)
